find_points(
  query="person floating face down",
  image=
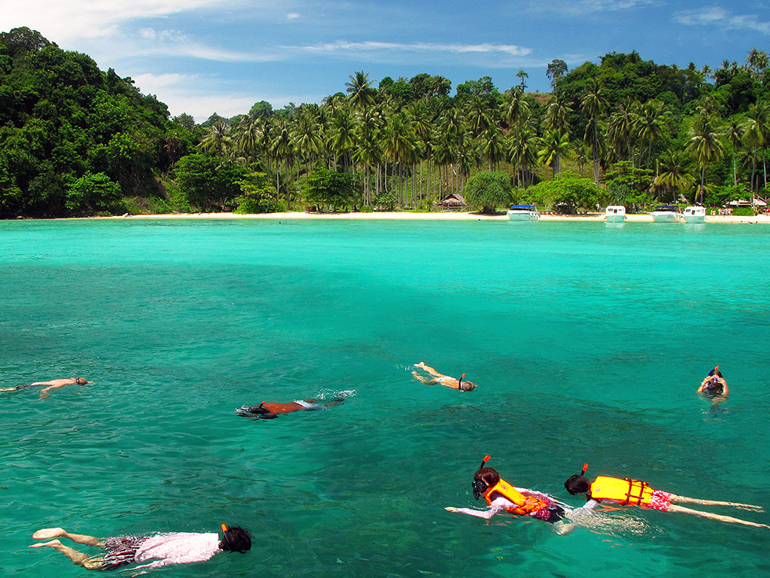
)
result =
(714, 384)
(628, 492)
(164, 549)
(53, 384)
(504, 497)
(271, 410)
(434, 377)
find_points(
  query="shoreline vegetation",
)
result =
(79, 142)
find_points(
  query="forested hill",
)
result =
(75, 140)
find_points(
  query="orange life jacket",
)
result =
(625, 491)
(525, 505)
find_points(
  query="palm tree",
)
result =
(217, 140)
(622, 130)
(247, 137)
(757, 126)
(704, 145)
(282, 150)
(674, 176)
(492, 146)
(359, 90)
(734, 132)
(555, 147)
(478, 117)
(342, 135)
(593, 104)
(649, 124)
(398, 144)
(522, 145)
(516, 110)
(557, 123)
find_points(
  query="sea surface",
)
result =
(587, 341)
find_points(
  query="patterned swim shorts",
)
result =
(121, 551)
(660, 500)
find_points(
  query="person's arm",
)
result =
(703, 385)
(496, 506)
(725, 391)
(46, 392)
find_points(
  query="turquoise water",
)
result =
(587, 341)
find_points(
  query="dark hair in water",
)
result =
(577, 484)
(487, 475)
(235, 539)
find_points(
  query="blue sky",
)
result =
(206, 56)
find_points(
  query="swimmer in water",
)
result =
(714, 384)
(627, 492)
(441, 379)
(165, 549)
(53, 384)
(271, 410)
(503, 497)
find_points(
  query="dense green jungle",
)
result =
(79, 141)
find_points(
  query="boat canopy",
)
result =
(525, 207)
(667, 208)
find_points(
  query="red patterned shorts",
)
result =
(660, 501)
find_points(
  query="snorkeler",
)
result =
(714, 384)
(503, 497)
(165, 549)
(271, 410)
(53, 384)
(440, 378)
(627, 492)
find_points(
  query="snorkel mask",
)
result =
(480, 486)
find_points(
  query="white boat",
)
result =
(694, 214)
(523, 213)
(666, 214)
(615, 214)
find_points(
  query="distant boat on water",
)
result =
(615, 214)
(523, 213)
(666, 214)
(694, 214)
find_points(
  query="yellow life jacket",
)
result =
(525, 505)
(625, 491)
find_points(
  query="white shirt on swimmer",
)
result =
(177, 548)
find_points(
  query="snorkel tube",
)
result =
(480, 486)
(459, 386)
(713, 371)
(584, 470)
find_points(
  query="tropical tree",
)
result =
(594, 104)
(705, 146)
(674, 176)
(359, 90)
(488, 190)
(556, 146)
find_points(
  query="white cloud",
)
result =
(587, 7)
(370, 46)
(292, 16)
(75, 19)
(200, 96)
(720, 18)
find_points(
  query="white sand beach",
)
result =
(444, 216)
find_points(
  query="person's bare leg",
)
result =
(686, 500)
(430, 370)
(46, 533)
(78, 558)
(423, 379)
(728, 519)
